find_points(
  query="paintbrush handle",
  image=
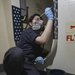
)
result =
(44, 12)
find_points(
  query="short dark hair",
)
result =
(32, 17)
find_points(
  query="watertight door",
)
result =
(51, 46)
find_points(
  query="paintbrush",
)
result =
(44, 13)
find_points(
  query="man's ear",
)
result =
(30, 24)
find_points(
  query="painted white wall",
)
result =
(4, 43)
(65, 56)
(9, 23)
(6, 28)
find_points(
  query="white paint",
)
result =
(65, 56)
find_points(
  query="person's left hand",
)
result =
(39, 60)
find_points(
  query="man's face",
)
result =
(37, 23)
(36, 19)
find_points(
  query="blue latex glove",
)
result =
(49, 13)
(39, 60)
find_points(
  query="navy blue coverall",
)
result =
(27, 52)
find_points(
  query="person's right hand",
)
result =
(49, 13)
(39, 60)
